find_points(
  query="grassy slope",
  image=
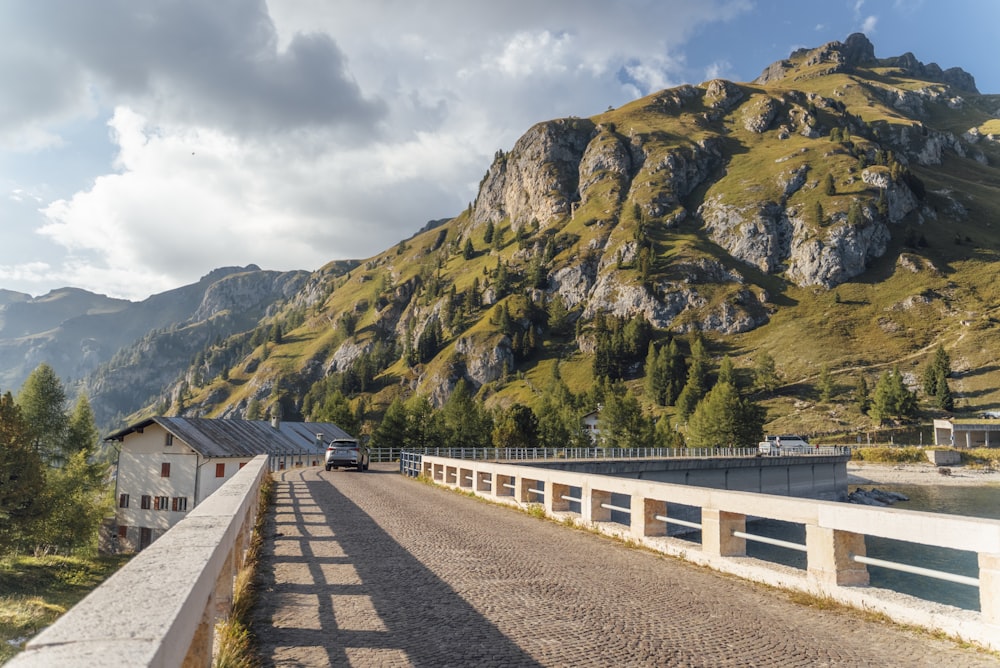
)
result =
(890, 315)
(36, 590)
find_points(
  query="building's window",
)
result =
(122, 531)
(170, 439)
(165, 470)
(161, 503)
(145, 501)
(123, 500)
(180, 504)
(242, 464)
(220, 470)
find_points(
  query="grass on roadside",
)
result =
(235, 646)
(37, 590)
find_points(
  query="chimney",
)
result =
(319, 439)
(275, 421)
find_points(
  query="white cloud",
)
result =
(290, 133)
(868, 25)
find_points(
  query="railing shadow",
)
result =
(336, 589)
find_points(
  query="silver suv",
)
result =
(346, 452)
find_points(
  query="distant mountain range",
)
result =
(840, 212)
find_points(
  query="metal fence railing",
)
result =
(409, 459)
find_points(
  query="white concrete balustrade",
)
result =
(835, 535)
(160, 609)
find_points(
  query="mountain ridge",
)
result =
(834, 213)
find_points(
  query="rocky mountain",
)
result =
(122, 353)
(837, 213)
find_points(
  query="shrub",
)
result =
(907, 455)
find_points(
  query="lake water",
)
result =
(980, 501)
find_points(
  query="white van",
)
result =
(774, 445)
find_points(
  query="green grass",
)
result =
(37, 590)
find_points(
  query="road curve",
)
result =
(373, 569)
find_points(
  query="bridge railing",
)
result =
(409, 458)
(836, 558)
(160, 608)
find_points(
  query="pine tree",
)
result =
(765, 373)
(861, 396)
(43, 405)
(825, 384)
(939, 366)
(828, 185)
(558, 314)
(22, 476)
(727, 374)
(82, 434)
(468, 251)
(657, 375)
(676, 372)
(466, 423)
(621, 423)
(943, 398)
(891, 399)
(391, 431)
(695, 387)
(515, 427)
(725, 419)
(488, 233)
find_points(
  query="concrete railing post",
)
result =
(643, 520)
(554, 501)
(594, 511)
(717, 527)
(483, 483)
(828, 556)
(989, 587)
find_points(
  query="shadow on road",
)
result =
(336, 589)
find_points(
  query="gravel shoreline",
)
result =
(865, 473)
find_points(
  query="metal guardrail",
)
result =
(410, 459)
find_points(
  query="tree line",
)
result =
(54, 490)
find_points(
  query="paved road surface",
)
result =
(373, 569)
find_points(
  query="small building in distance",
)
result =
(590, 423)
(168, 465)
(968, 432)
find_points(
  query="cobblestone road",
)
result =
(377, 570)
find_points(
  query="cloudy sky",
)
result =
(145, 142)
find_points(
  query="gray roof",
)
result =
(242, 438)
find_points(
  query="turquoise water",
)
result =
(970, 501)
(979, 501)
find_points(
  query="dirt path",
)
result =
(372, 569)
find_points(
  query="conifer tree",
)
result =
(943, 398)
(391, 431)
(939, 366)
(727, 374)
(765, 373)
(825, 384)
(725, 419)
(515, 427)
(621, 422)
(891, 399)
(22, 476)
(424, 427)
(43, 406)
(466, 423)
(657, 374)
(861, 396)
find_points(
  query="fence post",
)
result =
(989, 587)
(717, 527)
(828, 556)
